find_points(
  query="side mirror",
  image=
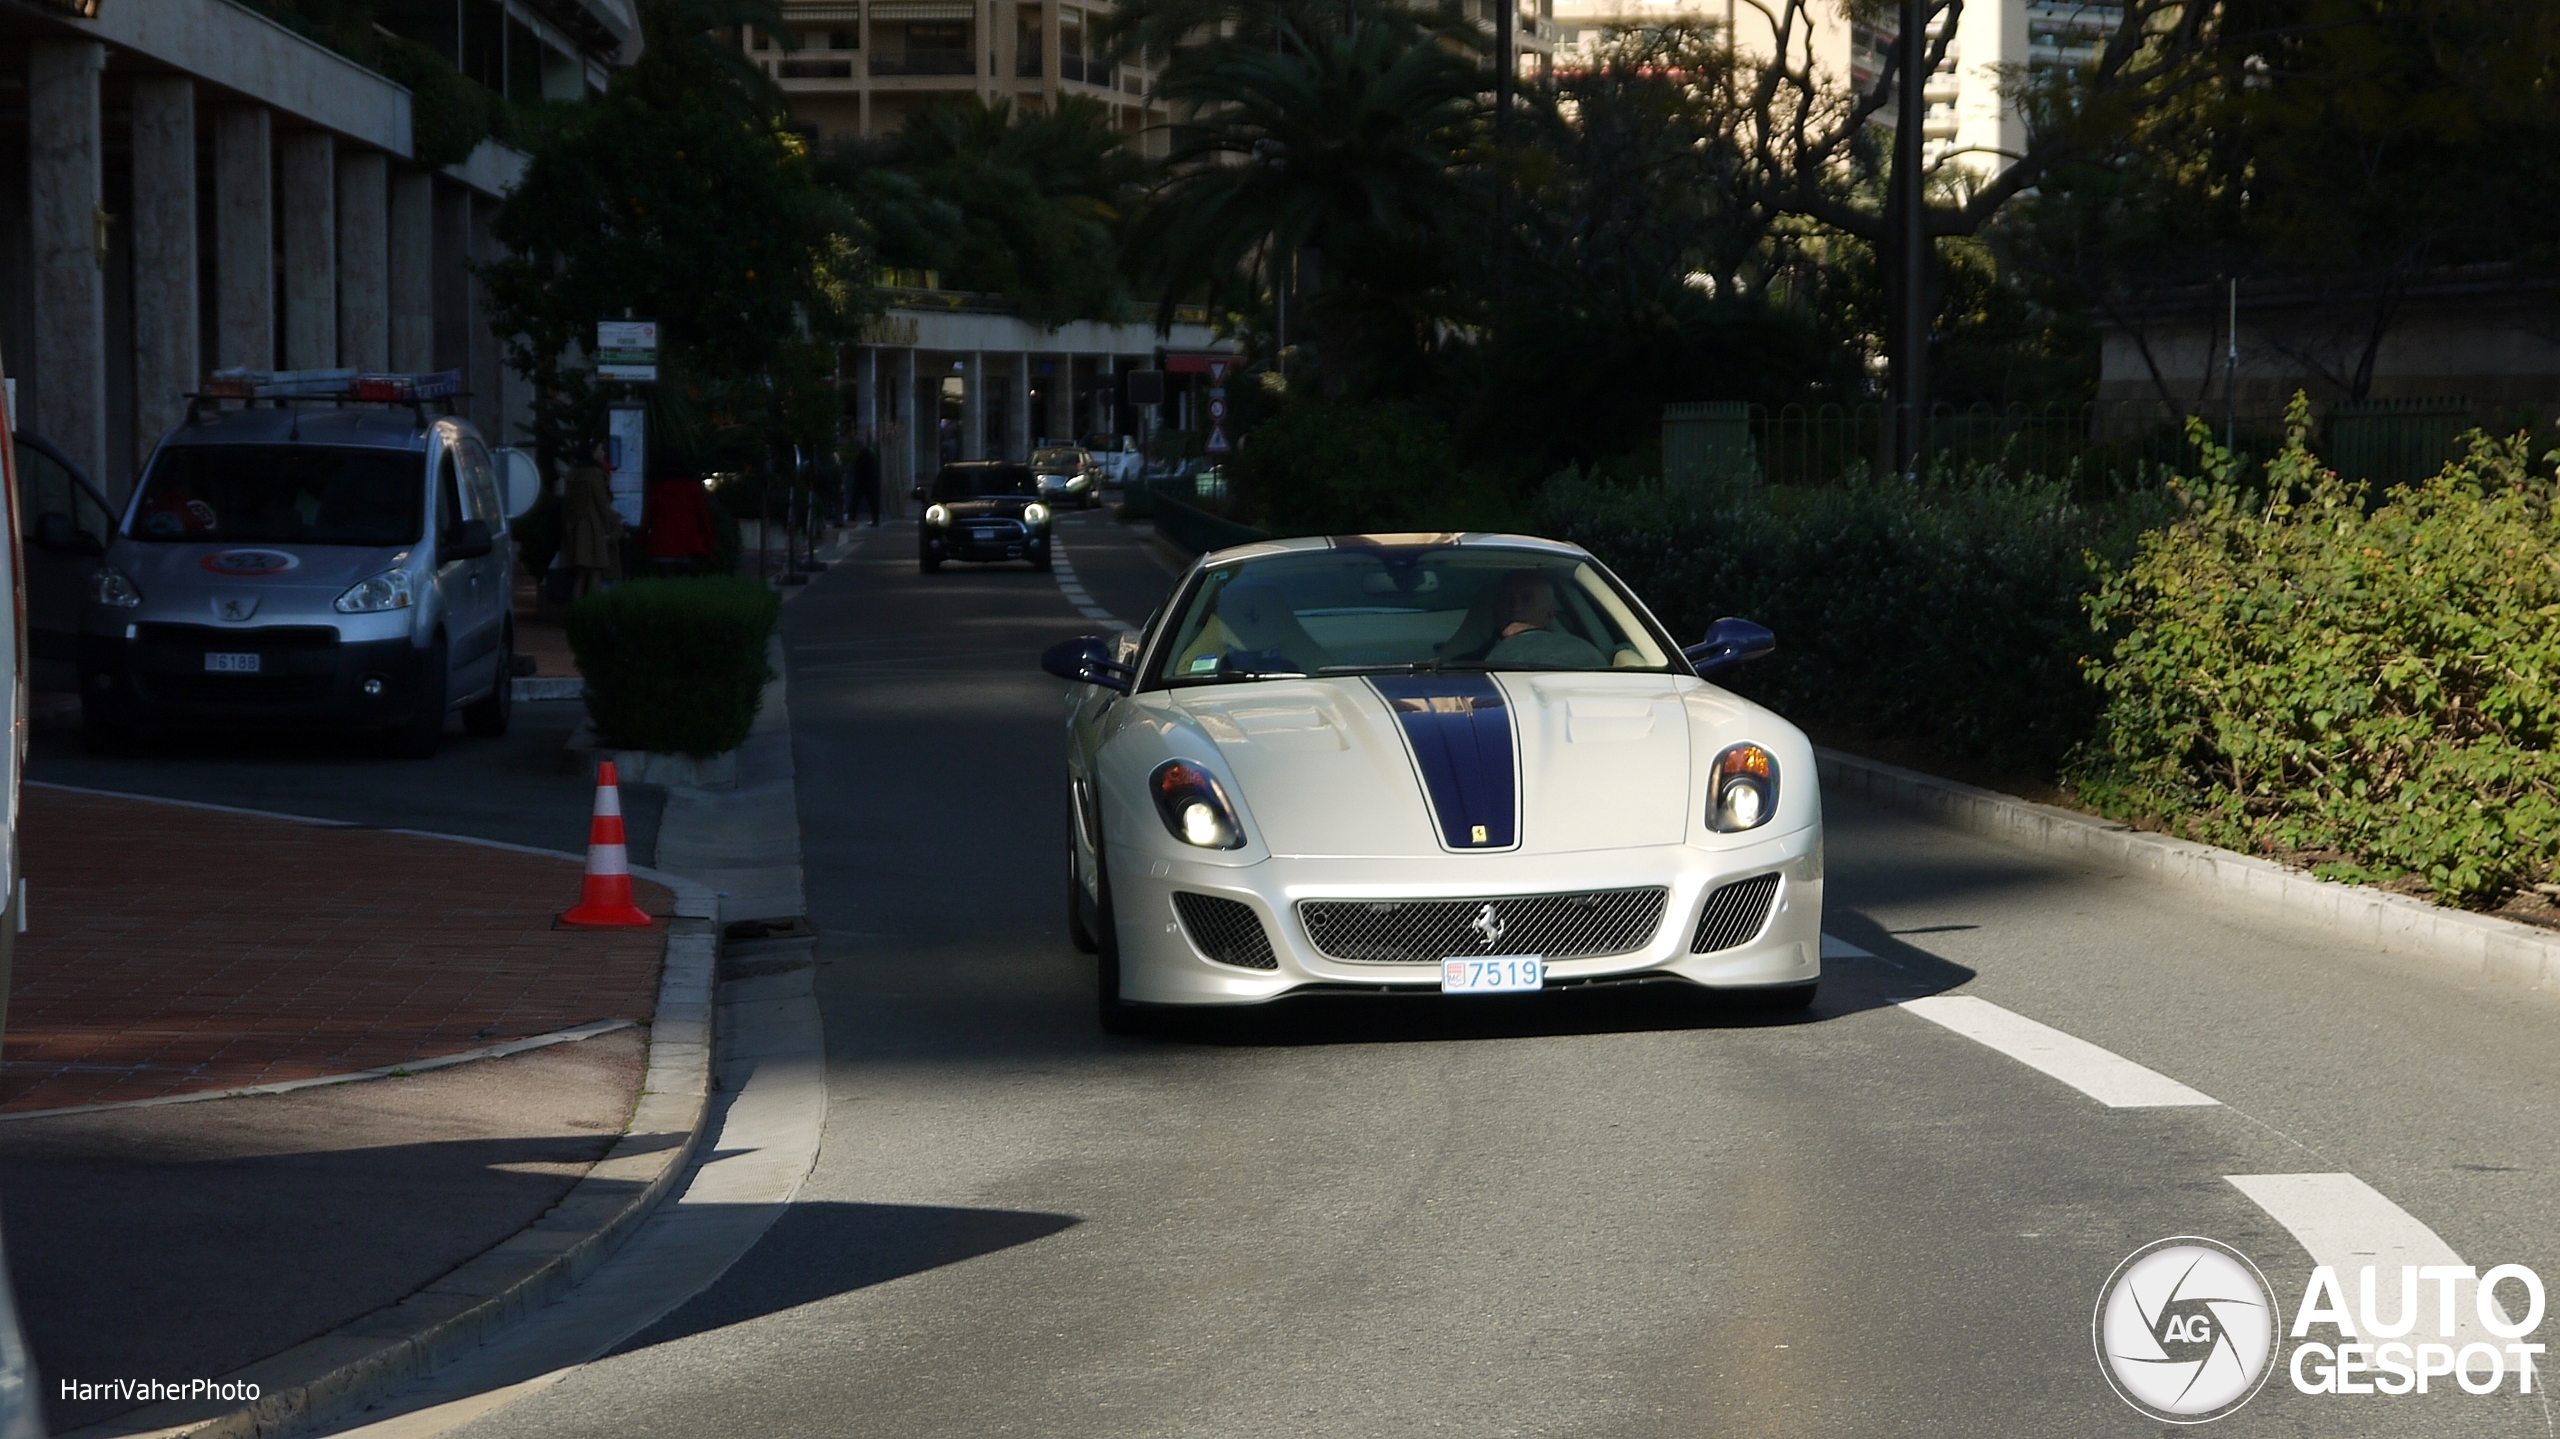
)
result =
(56, 533)
(467, 541)
(519, 481)
(1087, 660)
(1729, 642)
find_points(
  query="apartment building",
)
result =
(198, 186)
(860, 67)
(1971, 121)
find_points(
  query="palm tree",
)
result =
(1346, 155)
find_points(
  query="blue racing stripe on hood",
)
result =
(1459, 729)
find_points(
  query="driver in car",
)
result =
(1530, 639)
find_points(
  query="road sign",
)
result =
(1217, 373)
(1217, 411)
(626, 349)
(627, 449)
(1217, 440)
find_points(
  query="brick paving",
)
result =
(173, 950)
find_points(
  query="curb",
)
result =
(2497, 949)
(384, 1350)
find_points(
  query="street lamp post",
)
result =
(1911, 322)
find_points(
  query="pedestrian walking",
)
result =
(866, 479)
(590, 530)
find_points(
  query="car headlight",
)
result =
(390, 590)
(110, 586)
(937, 516)
(1193, 808)
(1743, 792)
(1035, 514)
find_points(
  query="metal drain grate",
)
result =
(1225, 931)
(1426, 931)
(1734, 914)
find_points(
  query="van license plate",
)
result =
(231, 664)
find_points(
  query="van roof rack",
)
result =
(340, 387)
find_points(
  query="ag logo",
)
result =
(2184, 1329)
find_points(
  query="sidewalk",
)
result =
(175, 950)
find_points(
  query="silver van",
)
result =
(345, 566)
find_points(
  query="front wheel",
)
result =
(927, 564)
(1115, 1014)
(424, 733)
(489, 715)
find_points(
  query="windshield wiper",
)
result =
(1410, 667)
(1229, 677)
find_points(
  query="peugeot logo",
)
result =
(1488, 924)
(236, 607)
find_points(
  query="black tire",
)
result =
(1079, 933)
(487, 716)
(1043, 564)
(423, 735)
(927, 564)
(1115, 1014)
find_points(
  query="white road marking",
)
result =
(1068, 585)
(2107, 1077)
(2347, 1224)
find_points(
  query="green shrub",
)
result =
(676, 665)
(1349, 466)
(2371, 691)
(1947, 612)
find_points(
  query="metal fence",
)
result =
(2128, 443)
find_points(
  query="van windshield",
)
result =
(282, 494)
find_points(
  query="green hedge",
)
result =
(1948, 613)
(1357, 466)
(2370, 689)
(675, 665)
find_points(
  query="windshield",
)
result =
(282, 494)
(1055, 459)
(1391, 609)
(956, 483)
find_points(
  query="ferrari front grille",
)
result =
(1427, 931)
(1734, 914)
(1224, 930)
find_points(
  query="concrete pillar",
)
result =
(973, 406)
(66, 213)
(307, 168)
(1019, 402)
(902, 400)
(451, 265)
(364, 259)
(866, 394)
(244, 250)
(412, 271)
(167, 316)
(487, 378)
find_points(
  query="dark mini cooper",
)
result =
(983, 510)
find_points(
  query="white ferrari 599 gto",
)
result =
(1458, 763)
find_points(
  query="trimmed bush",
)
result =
(2369, 691)
(675, 665)
(1348, 466)
(1947, 613)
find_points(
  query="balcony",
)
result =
(815, 70)
(924, 62)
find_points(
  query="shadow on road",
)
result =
(819, 1249)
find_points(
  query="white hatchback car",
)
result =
(1454, 763)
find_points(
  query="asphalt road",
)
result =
(1411, 1218)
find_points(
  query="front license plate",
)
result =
(231, 664)
(1493, 974)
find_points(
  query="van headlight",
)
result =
(390, 590)
(1742, 791)
(110, 586)
(937, 517)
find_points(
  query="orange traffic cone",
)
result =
(605, 901)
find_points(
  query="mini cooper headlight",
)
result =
(937, 517)
(1035, 514)
(1193, 808)
(109, 586)
(390, 590)
(1743, 790)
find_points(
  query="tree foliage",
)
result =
(681, 196)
